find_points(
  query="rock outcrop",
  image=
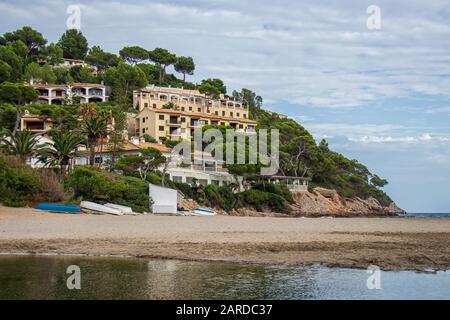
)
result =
(325, 202)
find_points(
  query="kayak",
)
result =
(123, 209)
(58, 208)
(98, 208)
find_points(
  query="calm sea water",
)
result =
(428, 215)
(125, 278)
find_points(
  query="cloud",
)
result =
(407, 139)
(305, 53)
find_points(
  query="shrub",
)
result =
(20, 185)
(148, 138)
(94, 184)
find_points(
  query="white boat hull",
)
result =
(92, 206)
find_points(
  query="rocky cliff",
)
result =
(323, 202)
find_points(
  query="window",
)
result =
(98, 160)
(161, 128)
(199, 109)
(231, 114)
(241, 126)
(215, 182)
(189, 180)
(154, 105)
(203, 182)
(183, 119)
(190, 108)
(177, 179)
(222, 123)
(245, 115)
(143, 120)
(216, 113)
(237, 114)
(146, 105)
(182, 108)
(223, 113)
(143, 130)
(161, 117)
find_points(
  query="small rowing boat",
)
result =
(58, 208)
(93, 207)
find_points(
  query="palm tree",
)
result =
(95, 128)
(21, 143)
(62, 150)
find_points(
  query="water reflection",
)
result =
(115, 278)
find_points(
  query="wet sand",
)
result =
(390, 243)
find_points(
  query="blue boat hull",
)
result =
(58, 208)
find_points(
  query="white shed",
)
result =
(164, 199)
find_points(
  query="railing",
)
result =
(298, 187)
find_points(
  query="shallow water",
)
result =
(126, 278)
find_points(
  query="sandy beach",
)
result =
(390, 243)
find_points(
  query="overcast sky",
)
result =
(379, 96)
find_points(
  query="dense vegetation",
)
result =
(26, 56)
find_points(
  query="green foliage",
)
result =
(212, 88)
(101, 59)
(32, 39)
(185, 65)
(53, 54)
(7, 117)
(163, 58)
(123, 79)
(20, 185)
(92, 184)
(73, 44)
(83, 75)
(148, 138)
(22, 144)
(134, 54)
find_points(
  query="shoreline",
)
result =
(391, 244)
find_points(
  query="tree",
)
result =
(73, 44)
(148, 161)
(53, 54)
(33, 40)
(21, 143)
(124, 79)
(134, 54)
(378, 182)
(163, 58)
(101, 59)
(95, 128)
(82, 74)
(5, 71)
(63, 75)
(61, 151)
(15, 62)
(36, 73)
(217, 84)
(17, 94)
(185, 65)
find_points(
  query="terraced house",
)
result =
(59, 94)
(174, 113)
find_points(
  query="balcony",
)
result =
(173, 122)
(198, 124)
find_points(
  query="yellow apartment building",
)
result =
(174, 113)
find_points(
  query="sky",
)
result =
(380, 96)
